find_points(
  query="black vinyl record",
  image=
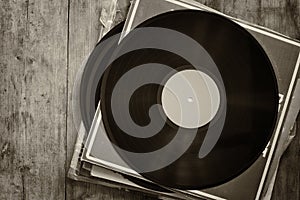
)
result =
(250, 99)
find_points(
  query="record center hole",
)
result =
(190, 100)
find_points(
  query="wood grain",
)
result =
(287, 184)
(33, 76)
(43, 43)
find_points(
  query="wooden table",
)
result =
(43, 42)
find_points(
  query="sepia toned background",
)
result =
(42, 44)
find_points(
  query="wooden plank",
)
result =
(288, 178)
(85, 28)
(279, 15)
(33, 65)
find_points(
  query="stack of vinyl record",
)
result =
(189, 100)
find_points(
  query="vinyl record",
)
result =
(187, 154)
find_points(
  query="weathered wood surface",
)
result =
(43, 43)
(33, 74)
